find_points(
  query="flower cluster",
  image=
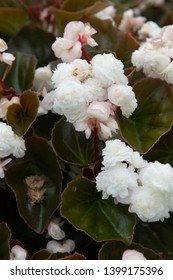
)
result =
(155, 55)
(130, 179)
(58, 242)
(89, 93)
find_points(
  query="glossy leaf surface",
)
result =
(21, 116)
(152, 118)
(40, 160)
(72, 146)
(101, 219)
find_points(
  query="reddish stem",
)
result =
(96, 144)
(85, 55)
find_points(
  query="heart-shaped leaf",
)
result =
(21, 116)
(11, 20)
(72, 146)
(152, 118)
(101, 219)
(113, 250)
(36, 182)
(5, 235)
(21, 75)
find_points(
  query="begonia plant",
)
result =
(86, 129)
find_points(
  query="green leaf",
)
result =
(12, 20)
(5, 235)
(35, 41)
(157, 236)
(21, 75)
(9, 3)
(77, 5)
(72, 146)
(153, 116)
(43, 125)
(113, 250)
(163, 150)
(101, 219)
(21, 116)
(62, 17)
(36, 207)
(110, 38)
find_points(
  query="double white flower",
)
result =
(129, 179)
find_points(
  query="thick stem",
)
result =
(85, 55)
(96, 144)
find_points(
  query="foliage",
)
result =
(63, 157)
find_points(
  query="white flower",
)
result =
(167, 74)
(65, 246)
(108, 69)
(167, 35)
(115, 151)
(150, 204)
(124, 97)
(107, 13)
(54, 229)
(156, 182)
(133, 255)
(69, 100)
(3, 45)
(7, 58)
(99, 110)
(19, 147)
(78, 31)
(46, 104)
(2, 166)
(117, 181)
(149, 29)
(18, 253)
(152, 61)
(42, 78)
(66, 49)
(158, 176)
(6, 140)
(129, 23)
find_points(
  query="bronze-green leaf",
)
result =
(101, 219)
(21, 75)
(152, 118)
(5, 235)
(11, 20)
(36, 182)
(72, 146)
(113, 250)
(21, 116)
